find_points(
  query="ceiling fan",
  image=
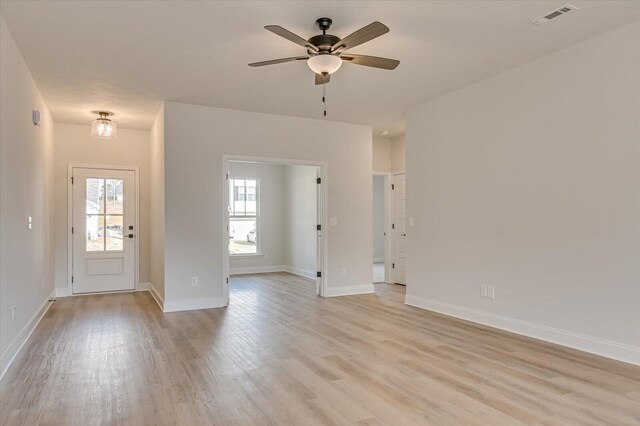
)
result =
(325, 52)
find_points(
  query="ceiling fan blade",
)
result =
(322, 78)
(276, 29)
(363, 35)
(278, 61)
(372, 61)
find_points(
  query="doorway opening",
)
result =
(380, 185)
(273, 219)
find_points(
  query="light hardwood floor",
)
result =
(280, 355)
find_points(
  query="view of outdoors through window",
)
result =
(243, 216)
(104, 214)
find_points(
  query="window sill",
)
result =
(240, 256)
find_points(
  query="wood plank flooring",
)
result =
(279, 355)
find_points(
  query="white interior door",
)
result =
(103, 204)
(399, 229)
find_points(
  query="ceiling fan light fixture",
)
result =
(103, 128)
(324, 63)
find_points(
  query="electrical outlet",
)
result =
(483, 291)
(29, 222)
(333, 221)
(343, 272)
(492, 292)
(194, 281)
(13, 313)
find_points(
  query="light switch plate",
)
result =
(333, 221)
(410, 221)
(29, 223)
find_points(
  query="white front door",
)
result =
(103, 230)
(399, 229)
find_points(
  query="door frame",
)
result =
(322, 237)
(391, 207)
(388, 253)
(136, 196)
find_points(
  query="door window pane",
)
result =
(95, 232)
(114, 196)
(95, 188)
(104, 214)
(114, 233)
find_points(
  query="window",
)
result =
(104, 214)
(243, 216)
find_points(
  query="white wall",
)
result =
(157, 207)
(398, 154)
(26, 189)
(530, 182)
(381, 154)
(271, 220)
(196, 137)
(75, 145)
(301, 220)
(378, 219)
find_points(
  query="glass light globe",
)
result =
(104, 128)
(327, 63)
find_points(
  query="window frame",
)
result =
(231, 216)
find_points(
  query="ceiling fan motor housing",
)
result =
(324, 42)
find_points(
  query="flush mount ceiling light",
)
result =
(102, 127)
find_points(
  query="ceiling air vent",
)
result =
(552, 15)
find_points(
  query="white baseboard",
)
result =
(143, 286)
(156, 296)
(61, 292)
(193, 304)
(256, 269)
(594, 345)
(349, 290)
(378, 260)
(16, 345)
(301, 272)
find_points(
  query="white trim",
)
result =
(143, 286)
(594, 345)
(17, 344)
(350, 290)
(322, 282)
(156, 296)
(378, 259)
(194, 304)
(256, 269)
(300, 272)
(136, 179)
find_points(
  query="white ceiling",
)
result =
(127, 57)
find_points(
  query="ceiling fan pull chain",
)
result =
(324, 98)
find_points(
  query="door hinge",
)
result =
(227, 280)
(71, 279)
(393, 266)
(71, 180)
(227, 176)
(319, 181)
(393, 226)
(319, 227)
(393, 187)
(319, 274)
(72, 229)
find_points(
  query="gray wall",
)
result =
(530, 182)
(26, 189)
